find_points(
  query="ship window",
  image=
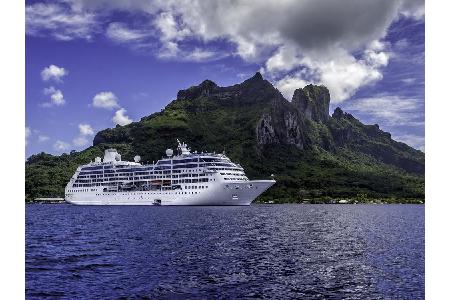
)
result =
(209, 159)
(92, 168)
(162, 167)
(182, 161)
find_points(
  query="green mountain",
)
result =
(312, 155)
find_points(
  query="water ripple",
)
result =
(264, 252)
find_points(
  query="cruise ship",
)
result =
(182, 179)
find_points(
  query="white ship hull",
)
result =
(224, 193)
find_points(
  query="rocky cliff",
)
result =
(313, 102)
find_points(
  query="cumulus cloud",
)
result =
(343, 74)
(284, 59)
(56, 97)
(85, 131)
(120, 118)
(27, 135)
(105, 100)
(61, 146)
(319, 35)
(108, 100)
(289, 84)
(53, 72)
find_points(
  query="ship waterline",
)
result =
(219, 194)
(184, 179)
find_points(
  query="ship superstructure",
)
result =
(184, 179)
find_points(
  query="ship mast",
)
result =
(183, 148)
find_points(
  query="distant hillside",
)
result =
(313, 155)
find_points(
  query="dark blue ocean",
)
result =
(260, 251)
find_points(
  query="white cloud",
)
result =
(289, 84)
(61, 146)
(376, 45)
(120, 32)
(105, 100)
(317, 35)
(376, 59)
(171, 51)
(393, 110)
(120, 118)
(282, 36)
(284, 59)
(27, 135)
(170, 29)
(59, 21)
(53, 72)
(85, 129)
(42, 138)
(343, 75)
(56, 97)
(200, 55)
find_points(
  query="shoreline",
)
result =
(262, 203)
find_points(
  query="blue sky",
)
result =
(93, 64)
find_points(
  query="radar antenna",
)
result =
(183, 148)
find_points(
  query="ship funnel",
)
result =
(183, 148)
(111, 155)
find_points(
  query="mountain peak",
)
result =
(257, 76)
(208, 84)
(203, 89)
(338, 113)
(256, 79)
(253, 90)
(313, 102)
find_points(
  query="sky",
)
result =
(96, 64)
